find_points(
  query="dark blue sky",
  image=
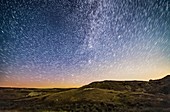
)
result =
(66, 41)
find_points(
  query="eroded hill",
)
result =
(151, 86)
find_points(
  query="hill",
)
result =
(105, 96)
(151, 86)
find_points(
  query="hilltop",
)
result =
(151, 86)
(105, 96)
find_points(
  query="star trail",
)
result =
(68, 43)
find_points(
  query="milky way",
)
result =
(67, 43)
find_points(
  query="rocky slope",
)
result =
(151, 86)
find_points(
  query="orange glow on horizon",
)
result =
(68, 84)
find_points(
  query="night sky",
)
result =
(69, 43)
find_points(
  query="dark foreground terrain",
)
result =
(105, 96)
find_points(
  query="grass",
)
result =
(104, 97)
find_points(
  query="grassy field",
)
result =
(105, 96)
